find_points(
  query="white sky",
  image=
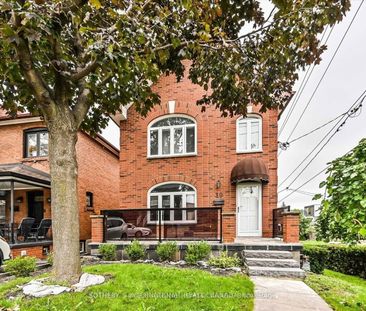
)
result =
(342, 84)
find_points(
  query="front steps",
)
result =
(272, 264)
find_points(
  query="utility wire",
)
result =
(306, 182)
(286, 144)
(303, 84)
(352, 110)
(301, 191)
(325, 72)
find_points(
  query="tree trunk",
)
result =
(65, 211)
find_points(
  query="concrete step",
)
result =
(272, 262)
(267, 254)
(276, 272)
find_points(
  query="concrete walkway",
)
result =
(283, 294)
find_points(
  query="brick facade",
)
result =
(98, 171)
(216, 155)
(291, 227)
(38, 251)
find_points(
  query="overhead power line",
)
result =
(303, 84)
(355, 107)
(325, 72)
(285, 145)
(306, 182)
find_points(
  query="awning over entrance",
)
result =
(22, 177)
(250, 169)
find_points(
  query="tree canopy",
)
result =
(94, 56)
(343, 211)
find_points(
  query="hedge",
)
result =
(341, 258)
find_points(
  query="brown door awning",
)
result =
(250, 169)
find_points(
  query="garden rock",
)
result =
(87, 280)
(235, 269)
(182, 262)
(38, 289)
(202, 264)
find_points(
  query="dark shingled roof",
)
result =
(25, 172)
(250, 169)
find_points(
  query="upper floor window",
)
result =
(172, 136)
(249, 134)
(36, 143)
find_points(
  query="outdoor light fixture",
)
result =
(48, 200)
(19, 200)
(218, 184)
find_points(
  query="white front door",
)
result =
(249, 209)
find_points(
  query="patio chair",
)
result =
(40, 233)
(25, 227)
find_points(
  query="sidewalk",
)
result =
(282, 294)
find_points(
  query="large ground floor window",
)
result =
(173, 198)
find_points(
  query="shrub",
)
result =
(21, 266)
(317, 258)
(305, 227)
(50, 258)
(224, 260)
(197, 251)
(341, 258)
(108, 251)
(135, 250)
(167, 251)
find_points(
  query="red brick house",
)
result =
(24, 172)
(180, 157)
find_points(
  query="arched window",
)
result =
(174, 198)
(249, 134)
(172, 136)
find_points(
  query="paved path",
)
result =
(282, 294)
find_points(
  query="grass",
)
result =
(146, 287)
(340, 291)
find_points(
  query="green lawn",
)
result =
(342, 292)
(146, 287)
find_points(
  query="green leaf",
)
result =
(95, 3)
(363, 203)
(362, 231)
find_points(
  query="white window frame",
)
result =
(171, 194)
(248, 121)
(172, 129)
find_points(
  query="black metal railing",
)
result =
(278, 221)
(203, 223)
(14, 233)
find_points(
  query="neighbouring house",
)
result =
(178, 158)
(312, 211)
(25, 187)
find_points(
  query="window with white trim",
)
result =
(249, 134)
(172, 197)
(172, 136)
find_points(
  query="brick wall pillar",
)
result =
(291, 226)
(97, 228)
